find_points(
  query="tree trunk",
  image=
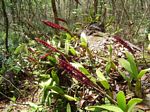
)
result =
(95, 7)
(6, 22)
(54, 11)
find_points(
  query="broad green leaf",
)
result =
(68, 36)
(124, 63)
(132, 103)
(46, 83)
(84, 71)
(142, 72)
(108, 67)
(121, 100)
(70, 98)
(132, 63)
(80, 67)
(68, 108)
(72, 51)
(102, 79)
(55, 77)
(57, 89)
(52, 59)
(112, 108)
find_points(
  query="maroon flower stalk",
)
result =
(32, 59)
(50, 47)
(76, 73)
(124, 43)
(63, 63)
(54, 25)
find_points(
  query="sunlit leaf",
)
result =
(142, 72)
(132, 63)
(112, 108)
(132, 103)
(84, 71)
(46, 83)
(108, 67)
(124, 63)
(57, 89)
(102, 79)
(121, 100)
(68, 108)
(55, 77)
(70, 98)
(72, 51)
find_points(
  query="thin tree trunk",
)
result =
(54, 11)
(6, 21)
(95, 7)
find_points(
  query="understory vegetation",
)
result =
(46, 66)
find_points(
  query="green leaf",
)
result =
(108, 67)
(68, 108)
(57, 89)
(72, 51)
(132, 63)
(13, 99)
(46, 83)
(112, 108)
(102, 79)
(142, 72)
(121, 100)
(84, 71)
(68, 36)
(70, 98)
(132, 103)
(81, 68)
(110, 50)
(55, 77)
(48, 99)
(124, 63)
(21, 48)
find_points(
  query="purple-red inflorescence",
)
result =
(75, 73)
(54, 25)
(47, 45)
(124, 43)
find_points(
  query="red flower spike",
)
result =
(44, 56)
(124, 43)
(76, 73)
(32, 59)
(50, 47)
(54, 25)
(62, 20)
(47, 45)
